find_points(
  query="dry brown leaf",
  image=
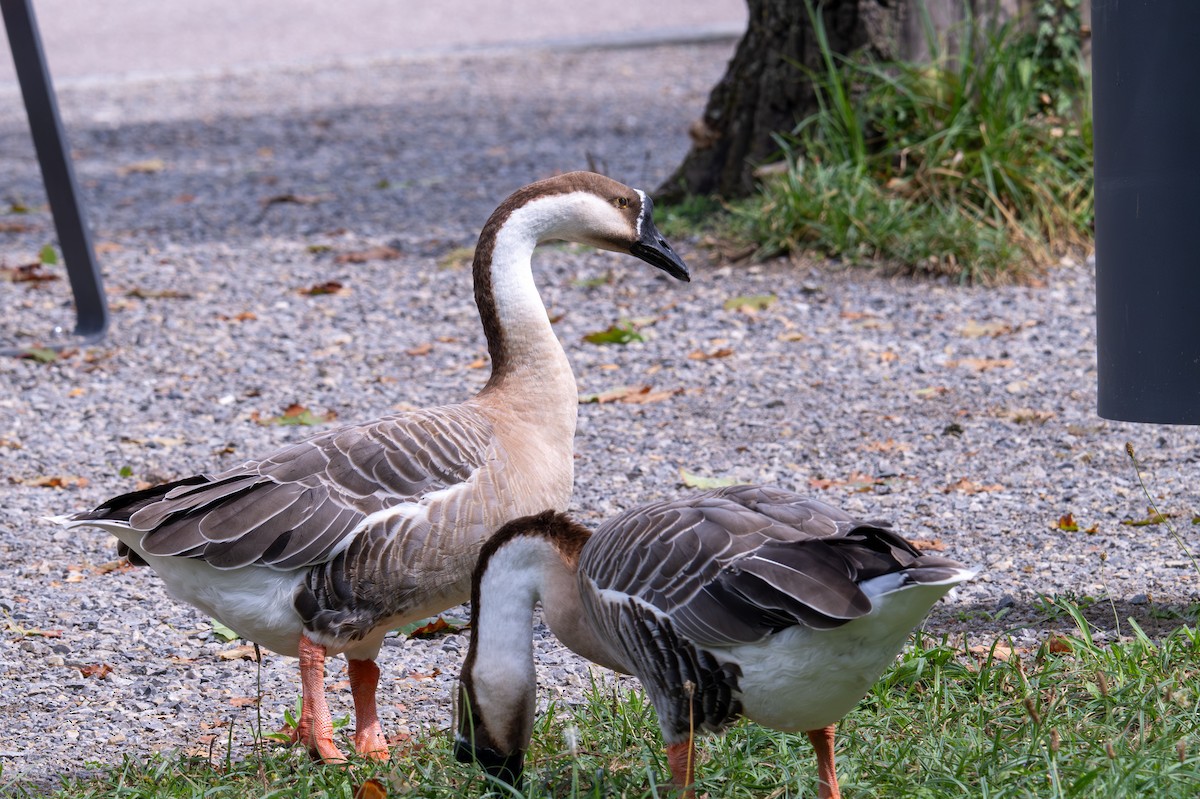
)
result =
(96, 670)
(635, 395)
(420, 349)
(478, 363)
(243, 701)
(294, 199)
(971, 487)
(244, 316)
(418, 675)
(1058, 644)
(792, 337)
(973, 329)
(54, 481)
(320, 289)
(981, 364)
(148, 167)
(377, 253)
(890, 445)
(432, 629)
(29, 273)
(999, 652)
(701, 355)
(371, 789)
(243, 652)
(928, 544)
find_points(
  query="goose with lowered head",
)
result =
(324, 546)
(746, 601)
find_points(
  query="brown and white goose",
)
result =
(322, 547)
(745, 601)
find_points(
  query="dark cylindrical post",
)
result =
(1146, 74)
(74, 238)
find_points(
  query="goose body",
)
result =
(324, 546)
(745, 601)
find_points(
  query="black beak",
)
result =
(652, 248)
(506, 768)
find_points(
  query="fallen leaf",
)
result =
(750, 303)
(701, 355)
(148, 167)
(792, 337)
(320, 289)
(1058, 644)
(1066, 523)
(999, 652)
(55, 481)
(297, 414)
(433, 629)
(40, 354)
(96, 670)
(890, 445)
(158, 294)
(293, 199)
(1152, 519)
(244, 652)
(857, 481)
(378, 253)
(371, 789)
(420, 675)
(227, 633)
(973, 329)
(15, 227)
(244, 316)
(635, 395)
(981, 364)
(420, 349)
(105, 247)
(29, 273)
(693, 480)
(478, 363)
(928, 544)
(1026, 416)
(931, 391)
(243, 701)
(457, 258)
(619, 333)
(971, 487)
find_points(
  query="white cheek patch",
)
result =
(642, 212)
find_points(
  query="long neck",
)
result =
(529, 367)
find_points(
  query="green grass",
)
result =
(977, 166)
(1113, 721)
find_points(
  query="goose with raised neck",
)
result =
(744, 601)
(324, 546)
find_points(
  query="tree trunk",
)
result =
(764, 92)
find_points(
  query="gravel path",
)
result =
(964, 415)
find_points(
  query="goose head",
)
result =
(592, 209)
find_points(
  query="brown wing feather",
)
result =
(296, 507)
(736, 564)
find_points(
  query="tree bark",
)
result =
(764, 92)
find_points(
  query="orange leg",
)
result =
(316, 723)
(368, 734)
(822, 741)
(681, 758)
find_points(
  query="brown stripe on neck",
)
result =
(485, 295)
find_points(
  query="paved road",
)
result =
(86, 40)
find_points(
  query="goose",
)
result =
(743, 601)
(324, 546)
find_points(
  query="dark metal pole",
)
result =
(62, 191)
(1145, 72)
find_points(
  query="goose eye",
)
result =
(621, 202)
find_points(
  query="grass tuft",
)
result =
(977, 165)
(1076, 719)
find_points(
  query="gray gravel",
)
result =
(964, 415)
